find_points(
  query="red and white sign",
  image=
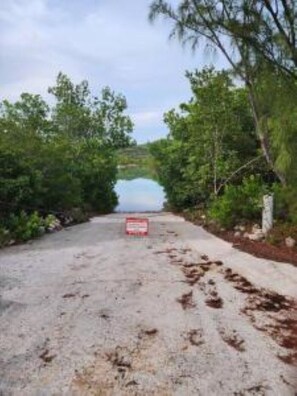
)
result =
(137, 226)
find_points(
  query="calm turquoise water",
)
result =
(139, 195)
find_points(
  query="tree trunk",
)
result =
(262, 131)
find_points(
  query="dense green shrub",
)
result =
(239, 203)
(209, 139)
(5, 236)
(59, 160)
(285, 203)
(25, 226)
(281, 230)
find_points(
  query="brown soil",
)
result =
(46, 357)
(186, 300)
(192, 275)
(69, 295)
(233, 340)
(281, 314)
(195, 337)
(262, 249)
(195, 271)
(259, 249)
(254, 390)
(151, 332)
(118, 358)
(214, 302)
(291, 358)
(204, 257)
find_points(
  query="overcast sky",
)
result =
(107, 42)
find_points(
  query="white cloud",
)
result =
(22, 9)
(108, 42)
(147, 118)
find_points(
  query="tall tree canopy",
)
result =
(257, 37)
(209, 139)
(56, 158)
(81, 115)
(267, 28)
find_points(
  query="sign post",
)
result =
(137, 226)
(267, 213)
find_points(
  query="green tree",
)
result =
(57, 159)
(29, 115)
(80, 115)
(209, 140)
(250, 34)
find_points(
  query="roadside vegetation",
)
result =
(58, 163)
(235, 139)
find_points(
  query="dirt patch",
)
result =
(186, 300)
(268, 301)
(69, 295)
(46, 356)
(195, 271)
(177, 261)
(280, 314)
(233, 339)
(166, 251)
(239, 282)
(204, 257)
(146, 334)
(170, 232)
(172, 256)
(151, 332)
(284, 335)
(120, 358)
(195, 337)
(260, 249)
(263, 300)
(290, 358)
(193, 275)
(190, 265)
(214, 302)
(160, 252)
(185, 250)
(131, 383)
(257, 390)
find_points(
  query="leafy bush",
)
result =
(239, 203)
(285, 203)
(282, 230)
(77, 215)
(25, 226)
(4, 236)
(210, 138)
(55, 159)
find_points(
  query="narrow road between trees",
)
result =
(91, 311)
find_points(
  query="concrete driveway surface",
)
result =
(90, 311)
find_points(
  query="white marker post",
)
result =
(267, 213)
